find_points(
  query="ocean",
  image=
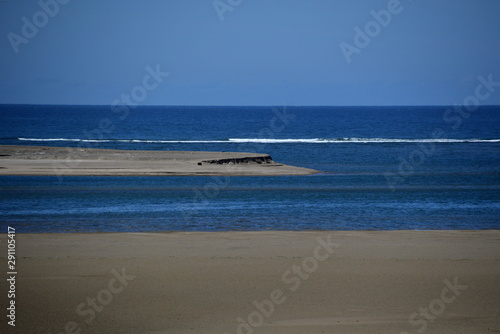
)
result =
(383, 168)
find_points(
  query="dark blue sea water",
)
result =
(384, 168)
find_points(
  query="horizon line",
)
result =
(257, 106)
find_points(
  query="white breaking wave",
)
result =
(276, 141)
(123, 140)
(361, 140)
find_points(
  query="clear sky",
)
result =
(248, 52)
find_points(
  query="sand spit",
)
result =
(65, 161)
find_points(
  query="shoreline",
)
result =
(71, 161)
(160, 232)
(302, 282)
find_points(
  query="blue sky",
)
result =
(263, 52)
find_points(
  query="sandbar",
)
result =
(70, 161)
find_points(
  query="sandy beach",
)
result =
(66, 161)
(257, 282)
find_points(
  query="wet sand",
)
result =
(257, 282)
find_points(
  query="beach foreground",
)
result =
(257, 282)
(71, 161)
